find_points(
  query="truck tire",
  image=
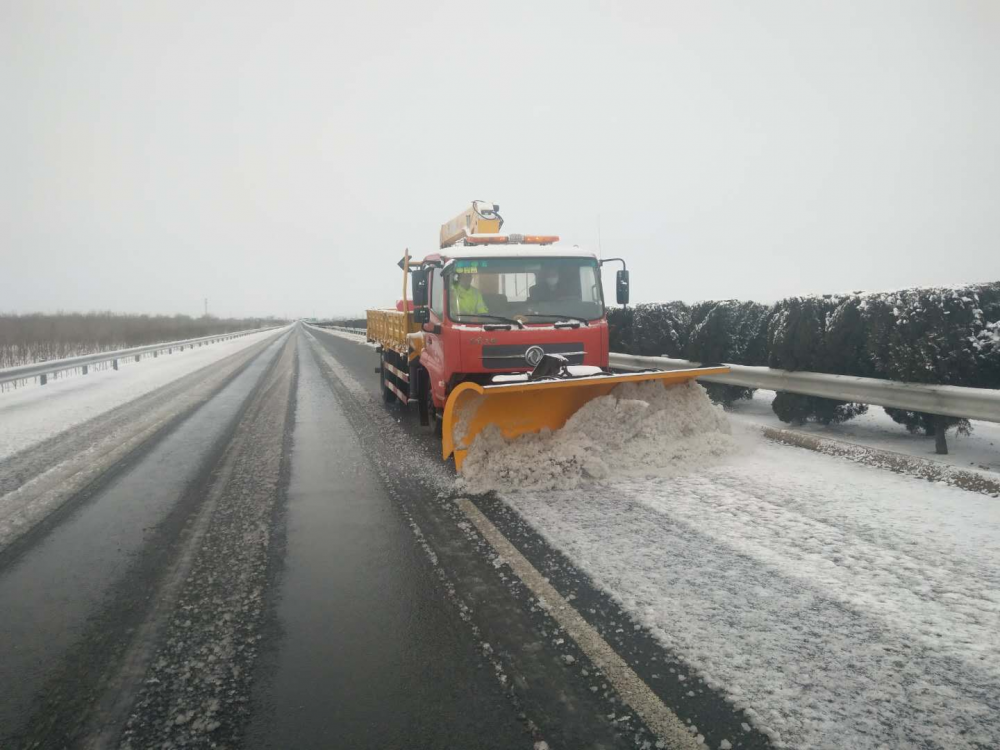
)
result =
(435, 419)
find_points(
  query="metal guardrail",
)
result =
(946, 400)
(345, 329)
(42, 370)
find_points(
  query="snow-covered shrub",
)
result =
(988, 342)
(796, 334)
(660, 329)
(794, 408)
(942, 335)
(988, 339)
(726, 331)
(932, 335)
(845, 344)
(797, 341)
(621, 336)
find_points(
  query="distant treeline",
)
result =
(35, 337)
(945, 335)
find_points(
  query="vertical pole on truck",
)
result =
(406, 276)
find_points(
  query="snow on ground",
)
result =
(838, 605)
(35, 413)
(980, 450)
(639, 427)
(357, 338)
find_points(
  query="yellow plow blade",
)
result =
(522, 407)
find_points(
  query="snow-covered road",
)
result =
(33, 413)
(834, 604)
(838, 605)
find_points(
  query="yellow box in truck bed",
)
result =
(389, 328)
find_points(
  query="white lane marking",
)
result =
(660, 719)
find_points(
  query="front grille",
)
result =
(509, 356)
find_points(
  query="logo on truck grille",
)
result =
(534, 355)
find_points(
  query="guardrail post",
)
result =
(137, 356)
(43, 378)
(156, 354)
(940, 436)
(114, 363)
(84, 368)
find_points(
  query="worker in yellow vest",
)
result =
(467, 299)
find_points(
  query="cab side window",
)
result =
(437, 293)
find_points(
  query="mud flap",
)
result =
(522, 407)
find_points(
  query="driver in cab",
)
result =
(547, 289)
(468, 300)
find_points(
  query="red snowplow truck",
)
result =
(501, 329)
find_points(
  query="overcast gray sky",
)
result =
(277, 157)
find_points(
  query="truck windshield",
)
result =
(542, 290)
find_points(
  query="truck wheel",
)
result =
(387, 395)
(436, 422)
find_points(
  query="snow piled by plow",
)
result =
(832, 604)
(639, 429)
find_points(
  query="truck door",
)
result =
(432, 357)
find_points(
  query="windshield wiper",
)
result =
(517, 323)
(555, 315)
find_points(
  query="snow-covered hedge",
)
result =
(946, 335)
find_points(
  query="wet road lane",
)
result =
(50, 594)
(369, 653)
(287, 566)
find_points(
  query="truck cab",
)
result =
(496, 309)
(490, 310)
(504, 331)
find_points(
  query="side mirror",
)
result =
(419, 281)
(621, 287)
(422, 315)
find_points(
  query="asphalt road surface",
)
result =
(273, 558)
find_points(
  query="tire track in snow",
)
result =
(197, 688)
(38, 481)
(744, 591)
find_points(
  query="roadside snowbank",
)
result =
(836, 605)
(639, 429)
(980, 450)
